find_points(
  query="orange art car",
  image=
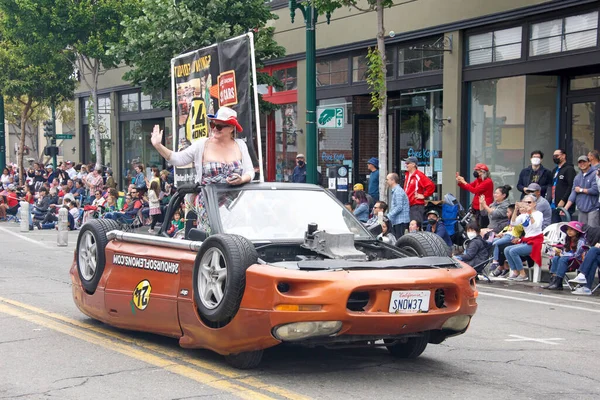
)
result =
(272, 263)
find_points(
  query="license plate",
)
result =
(409, 301)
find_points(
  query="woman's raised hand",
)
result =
(157, 135)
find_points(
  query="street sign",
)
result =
(330, 117)
(64, 136)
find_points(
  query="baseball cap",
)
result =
(49, 166)
(300, 155)
(533, 187)
(11, 186)
(359, 186)
(413, 160)
(583, 158)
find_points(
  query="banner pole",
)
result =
(256, 110)
(174, 121)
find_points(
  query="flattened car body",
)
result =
(153, 287)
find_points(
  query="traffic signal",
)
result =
(48, 128)
(51, 151)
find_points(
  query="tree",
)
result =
(31, 75)
(81, 29)
(376, 75)
(168, 28)
(13, 109)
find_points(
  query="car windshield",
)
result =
(284, 214)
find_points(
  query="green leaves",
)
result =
(376, 78)
(165, 29)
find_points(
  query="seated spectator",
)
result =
(587, 270)
(380, 206)
(414, 226)
(370, 201)
(478, 249)
(505, 236)
(110, 204)
(361, 212)
(11, 202)
(530, 244)
(177, 224)
(133, 207)
(572, 251)
(386, 234)
(42, 206)
(433, 217)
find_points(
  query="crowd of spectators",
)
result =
(86, 192)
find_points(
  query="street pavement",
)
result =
(524, 343)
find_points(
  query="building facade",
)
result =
(468, 82)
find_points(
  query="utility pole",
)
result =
(310, 19)
(2, 136)
(54, 136)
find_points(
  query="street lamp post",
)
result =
(310, 18)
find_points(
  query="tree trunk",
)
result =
(94, 89)
(383, 138)
(24, 118)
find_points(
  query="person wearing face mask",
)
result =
(562, 183)
(535, 173)
(299, 174)
(477, 250)
(482, 185)
(434, 225)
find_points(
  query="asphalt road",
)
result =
(522, 344)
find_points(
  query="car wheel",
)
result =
(423, 244)
(220, 276)
(91, 258)
(245, 360)
(413, 347)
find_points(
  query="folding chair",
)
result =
(598, 285)
(129, 224)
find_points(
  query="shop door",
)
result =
(365, 146)
(583, 125)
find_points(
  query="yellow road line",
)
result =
(140, 355)
(219, 369)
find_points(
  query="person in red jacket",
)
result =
(417, 187)
(482, 185)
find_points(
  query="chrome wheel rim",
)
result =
(88, 255)
(212, 276)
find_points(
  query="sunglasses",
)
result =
(528, 202)
(218, 127)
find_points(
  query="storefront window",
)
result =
(584, 82)
(564, 34)
(288, 77)
(286, 141)
(495, 46)
(511, 117)
(360, 66)
(419, 131)
(332, 72)
(422, 57)
(129, 102)
(137, 149)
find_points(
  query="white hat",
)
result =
(227, 115)
(300, 155)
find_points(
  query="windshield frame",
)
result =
(212, 193)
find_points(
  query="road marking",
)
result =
(25, 238)
(179, 355)
(518, 338)
(546, 303)
(137, 354)
(562, 298)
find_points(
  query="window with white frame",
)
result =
(564, 34)
(496, 46)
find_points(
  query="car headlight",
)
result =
(457, 323)
(303, 330)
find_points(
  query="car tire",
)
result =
(220, 277)
(245, 360)
(91, 258)
(412, 348)
(423, 244)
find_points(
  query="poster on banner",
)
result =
(205, 80)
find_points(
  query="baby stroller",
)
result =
(455, 219)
